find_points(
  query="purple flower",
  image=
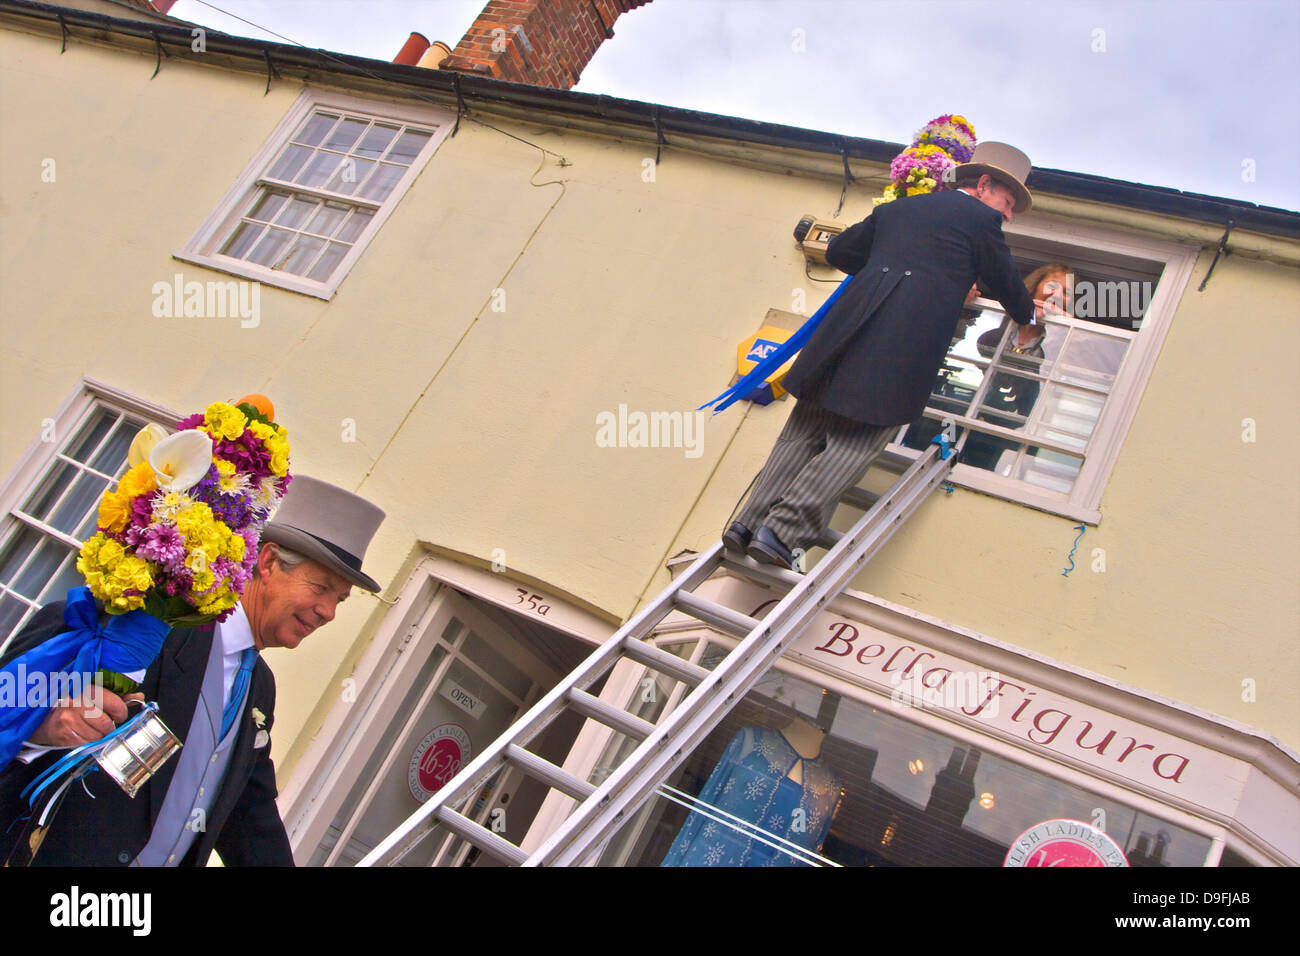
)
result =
(164, 545)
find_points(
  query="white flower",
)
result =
(181, 460)
(144, 441)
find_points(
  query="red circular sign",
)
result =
(1064, 843)
(437, 759)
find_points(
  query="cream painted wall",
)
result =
(476, 429)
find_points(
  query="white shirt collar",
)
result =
(235, 632)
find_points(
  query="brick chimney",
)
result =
(540, 42)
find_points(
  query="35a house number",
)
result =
(533, 601)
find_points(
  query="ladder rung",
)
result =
(891, 461)
(718, 615)
(610, 716)
(764, 573)
(662, 661)
(860, 498)
(494, 846)
(829, 538)
(547, 772)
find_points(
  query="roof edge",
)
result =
(1197, 207)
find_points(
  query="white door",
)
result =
(465, 682)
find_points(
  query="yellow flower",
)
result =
(110, 554)
(225, 421)
(114, 511)
(224, 468)
(261, 430)
(138, 481)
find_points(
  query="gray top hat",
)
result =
(328, 525)
(1005, 164)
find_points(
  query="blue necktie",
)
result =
(235, 704)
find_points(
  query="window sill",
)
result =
(276, 280)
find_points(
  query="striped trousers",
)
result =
(817, 458)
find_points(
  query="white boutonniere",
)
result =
(261, 738)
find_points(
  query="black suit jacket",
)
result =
(874, 356)
(243, 824)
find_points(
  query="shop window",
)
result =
(317, 192)
(796, 775)
(1047, 417)
(51, 500)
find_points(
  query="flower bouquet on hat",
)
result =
(937, 149)
(175, 545)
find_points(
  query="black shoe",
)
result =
(736, 538)
(766, 548)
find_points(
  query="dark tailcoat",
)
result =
(243, 824)
(875, 354)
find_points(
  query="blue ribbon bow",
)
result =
(782, 354)
(127, 642)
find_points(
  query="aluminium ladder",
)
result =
(602, 809)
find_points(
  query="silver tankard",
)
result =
(142, 746)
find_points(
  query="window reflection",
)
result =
(796, 775)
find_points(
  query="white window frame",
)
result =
(1071, 242)
(42, 455)
(201, 248)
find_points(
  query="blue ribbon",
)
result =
(782, 354)
(127, 642)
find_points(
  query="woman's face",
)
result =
(1052, 288)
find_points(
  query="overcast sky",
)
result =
(1202, 95)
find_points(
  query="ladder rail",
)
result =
(474, 775)
(634, 781)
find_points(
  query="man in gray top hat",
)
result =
(868, 367)
(216, 693)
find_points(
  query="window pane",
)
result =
(243, 239)
(325, 267)
(303, 255)
(376, 141)
(314, 130)
(11, 612)
(328, 219)
(83, 497)
(290, 161)
(67, 579)
(15, 552)
(955, 385)
(318, 170)
(112, 457)
(408, 146)
(1090, 358)
(355, 225)
(270, 248)
(990, 452)
(296, 212)
(382, 181)
(350, 172)
(91, 434)
(1067, 415)
(267, 205)
(43, 499)
(1009, 399)
(1048, 469)
(345, 134)
(41, 569)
